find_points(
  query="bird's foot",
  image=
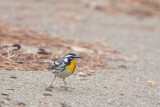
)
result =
(65, 88)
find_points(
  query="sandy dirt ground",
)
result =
(136, 37)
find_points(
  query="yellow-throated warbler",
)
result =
(64, 67)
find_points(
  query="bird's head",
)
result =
(70, 57)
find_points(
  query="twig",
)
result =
(6, 58)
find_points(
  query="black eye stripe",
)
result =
(69, 61)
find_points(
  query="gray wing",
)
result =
(56, 64)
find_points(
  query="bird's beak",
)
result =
(77, 57)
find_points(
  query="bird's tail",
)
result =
(49, 67)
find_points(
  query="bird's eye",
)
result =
(71, 58)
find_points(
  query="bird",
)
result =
(63, 67)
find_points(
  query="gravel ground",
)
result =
(134, 36)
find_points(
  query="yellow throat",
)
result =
(71, 66)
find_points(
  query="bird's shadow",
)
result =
(61, 88)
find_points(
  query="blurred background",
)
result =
(81, 19)
(116, 23)
(119, 39)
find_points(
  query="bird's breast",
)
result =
(71, 66)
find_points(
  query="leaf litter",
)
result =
(28, 50)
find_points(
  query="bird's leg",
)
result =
(64, 83)
(53, 81)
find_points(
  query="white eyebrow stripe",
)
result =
(68, 55)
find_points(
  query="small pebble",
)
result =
(20, 62)
(9, 89)
(8, 99)
(8, 69)
(48, 89)
(64, 105)
(122, 94)
(122, 66)
(92, 71)
(88, 73)
(4, 94)
(105, 86)
(152, 83)
(42, 102)
(47, 94)
(21, 104)
(13, 77)
(82, 74)
(6, 102)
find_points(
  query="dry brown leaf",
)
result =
(36, 48)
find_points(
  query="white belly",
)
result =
(63, 74)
